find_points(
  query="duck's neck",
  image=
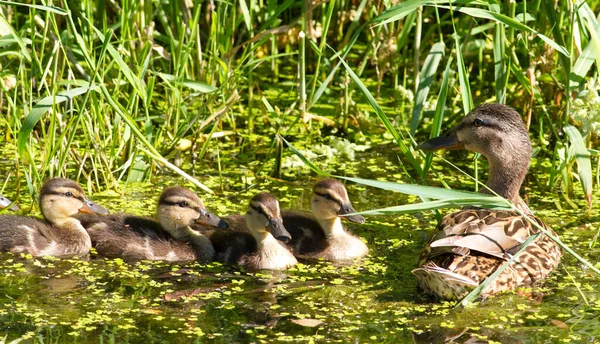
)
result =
(507, 174)
(332, 227)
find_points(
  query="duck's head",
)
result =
(330, 200)
(179, 208)
(5, 202)
(497, 132)
(264, 216)
(62, 198)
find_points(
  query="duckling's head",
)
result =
(5, 202)
(178, 208)
(264, 216)
(497, 132)
(330, 200)
(62, 198)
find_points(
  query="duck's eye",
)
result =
(328, 196)
(184, 204)
(69, 194)
(260, 211)
(478, 123)
(208, 216)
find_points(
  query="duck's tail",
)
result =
(443, 283)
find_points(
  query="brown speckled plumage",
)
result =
(471, 244)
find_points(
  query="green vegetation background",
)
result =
(108, 92)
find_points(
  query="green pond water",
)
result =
(375, 300)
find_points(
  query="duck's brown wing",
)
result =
(473, 243)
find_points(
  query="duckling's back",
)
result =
(25, 234)
(134, 238)
(307, 235)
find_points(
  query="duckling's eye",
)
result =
(328, 196)
(478, 123)
(260, 211)
(69, 194)
(184, 204)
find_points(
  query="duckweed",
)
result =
(371, 300)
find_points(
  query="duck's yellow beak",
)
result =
(447, 141)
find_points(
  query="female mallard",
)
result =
(254, 239)
(61, 234)
(471, 244)
(134, 238)
(322, 234)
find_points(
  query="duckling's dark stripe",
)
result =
(81, 198)
(259, 210)
(333, 198)
(177, 204)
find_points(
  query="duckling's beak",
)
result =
(348, 209)
(90, 207)
(210, 219)
(5, 202)
(446, 141)
(278, 230)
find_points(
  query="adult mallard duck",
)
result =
(322, 234)
(472, 243)
(61, 234)
(257, 240)
(135, 238)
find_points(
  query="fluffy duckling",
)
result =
(322, 234)
(472, 243)
(60, 234)
(255, 244)
(5, 202)
(134, 238)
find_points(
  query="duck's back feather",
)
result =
(473, 243)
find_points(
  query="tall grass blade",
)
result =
(427, 75)
(582, 65)
(425, 191)
(52, 9)
(485, 202)
(191, 84)
(410, 189)
(497, 17)
(463, 78)
(438, 118)
(499, 63)
(40, 109)
(384, 119)
(16, 37)
(595, 40)
(133, 79)
(582, 156)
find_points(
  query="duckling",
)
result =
(322, 234)
(5, 202)
(255, 244)
(60, 234)
(472, 243)
(134, 238)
